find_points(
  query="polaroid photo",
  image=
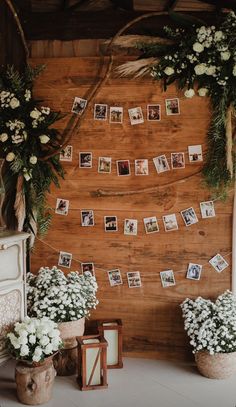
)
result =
(189, 216)
(141, 167)
(161, 164)
(153, 113)
(123, 167)
(104, 165)
(116, 114)
(207, 209)
(62, 206)
(177, 160)
(79, 105)
(172, 106)
(130, 227)
(66, 153)
(151, 225)
(100, 112)
(195, 153)
(65, 259)
(136, 115)
(170, 222)
(194, 271)
(134, 279)
(110, 223)
(114, 277)
(218, 262)
(88, 268)
(167, 278)
(87, 218)
(85, 160)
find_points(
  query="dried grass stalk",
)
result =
(130, 41)
(19, 204)
(136, 68)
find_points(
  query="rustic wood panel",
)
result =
(151, 314)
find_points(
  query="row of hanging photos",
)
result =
(123, 167)
(100, 111)
(167, 277)
(130, 227)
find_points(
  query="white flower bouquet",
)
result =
(211, 326)
(34, 339)
(61, 298)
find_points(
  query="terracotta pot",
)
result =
(65, 362)
(217, 366)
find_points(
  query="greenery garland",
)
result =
(201, 57)
(26, 139)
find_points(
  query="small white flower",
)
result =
(218, 36)
(197, 47)
(3, 137)
(35, 114)
(32, 339)
(14, 103)
(10, 157)
(234, 70)
(33, 159)
(225, 55)
(189, 93)
(45, 110)
(202, 91)
(200, 69)
(27, 95)
(44, 139)
(24, 351)
(26, 174)
(211, 70)
(169, 70)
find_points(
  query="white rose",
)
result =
(211, 70)
(14, 103)
(202, 91)
(49, 349)
(200, 69)
(36, 358)
(35, 114)
(218, 36)
(32, 339)
(3, 137)
(24, 350)
(225, 55)
(27, 176)
(44, 139)
(44, 340)
(10, 157)
(33, 159)
(197, 47)
(169, 71)
(189, 93)
(234, 70)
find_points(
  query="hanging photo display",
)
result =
(87, 218)
(66, 154)
(136, 115)
(151, 225)
(65, 259)
(85, 160)
(87, 267)
(195, 153)
(131, 227)
(161, 164)
(100, 112)
(153, 113)
(62, 206)
(170, 222)
(134, 279)
(167, 278)
(207, 209)
(177, 160)
(116, 114)
(194, 271)
(172, 106)
(218, 262)
(104, 165)
(115, 277)
(123, 167)
(110, 223)
(79, 105)
(189, 216)
(141, 167)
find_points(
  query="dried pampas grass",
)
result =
(131, 41)
(136, 68)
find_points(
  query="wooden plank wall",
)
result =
(151, 315)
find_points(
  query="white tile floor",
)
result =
(141, 383)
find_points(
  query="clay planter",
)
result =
(65, 361)
(217, 366)
(34, 381)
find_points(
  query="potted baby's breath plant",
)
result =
(211, 327)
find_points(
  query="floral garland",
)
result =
(200, 57)
(26, 139)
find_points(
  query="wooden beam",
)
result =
(89, 25)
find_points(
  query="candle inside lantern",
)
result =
(111, 337)
(92, 356)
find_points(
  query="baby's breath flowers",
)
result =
(61, 298)
(211, 326)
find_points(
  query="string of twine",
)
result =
(115, 267)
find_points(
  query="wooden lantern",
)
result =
(111, 329)
(92, 362)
